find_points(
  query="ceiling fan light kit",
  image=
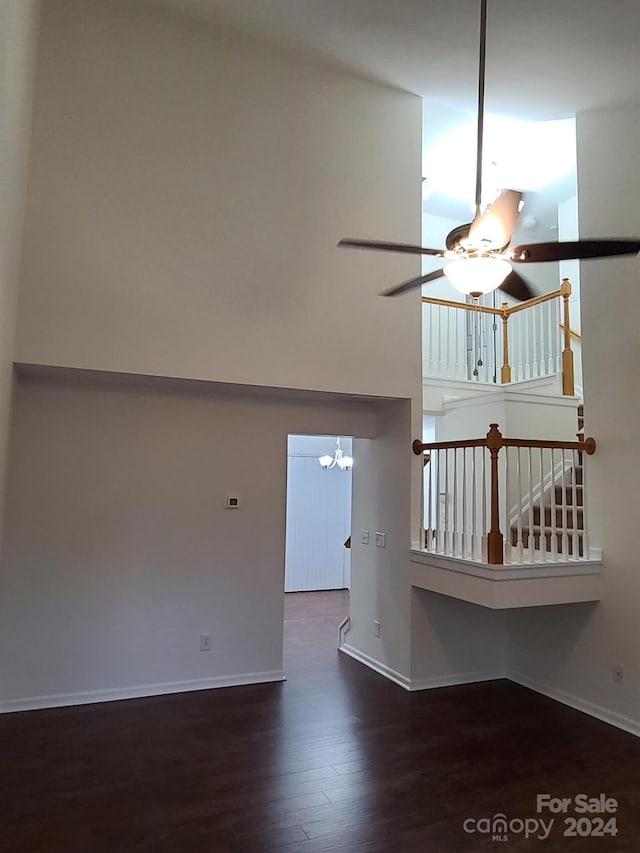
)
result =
(478, 253)
(477, 276)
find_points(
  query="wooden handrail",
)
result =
(419, 447)
(588, 445)
(535, 300)
(505, 311)
(494, 441)
(466, 306)
(572, 332)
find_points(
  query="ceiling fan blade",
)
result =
(517, 286)
(495, 226)
(532, 253)
(406, 248)
(397, 289)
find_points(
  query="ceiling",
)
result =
(545, 60)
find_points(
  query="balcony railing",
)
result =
(479, 342)
(506, 500)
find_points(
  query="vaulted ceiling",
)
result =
(546, 59)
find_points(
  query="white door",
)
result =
(318, 522)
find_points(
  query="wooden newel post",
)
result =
(506, 367)
(495, 541)
(568, 386)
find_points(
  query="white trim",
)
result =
(597, 711)
(505, 393)
(377, 666)
(32, 703)
(343, 629)
(457, 679)
(413, 684)
(510, 571)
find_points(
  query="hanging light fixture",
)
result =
(345, 463)
(477, 276)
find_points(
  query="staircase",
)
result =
(568, 502)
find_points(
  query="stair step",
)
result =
(575, 475)
(572, 494)
(538, 533)
(560, 522)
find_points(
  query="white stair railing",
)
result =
(523, 505)
(477, 341)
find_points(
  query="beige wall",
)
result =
(571, 651)
(120, 551)
(380, 576)
(187, 191)
(18, 24)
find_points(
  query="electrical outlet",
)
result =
(618, 673)
(376, 628)
(205, 642)
(381, 540)
(364, 537)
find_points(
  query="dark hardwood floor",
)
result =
(335, 759)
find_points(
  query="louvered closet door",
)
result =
(318, 522)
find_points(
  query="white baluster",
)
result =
(465, 522)
(585, 543)
(574, 515)
(519, 541)
(565, 489)
(447, 522)
(554, 533)
(428, 539)
(507, 499)
(484, 502)
(531, 525)
(543, 526)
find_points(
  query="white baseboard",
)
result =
(597, 711)
(32, 703)
(455, 679)
(377, 666)
(413, 684)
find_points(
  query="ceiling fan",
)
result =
(479, 253)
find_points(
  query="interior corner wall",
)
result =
(570, 651)
(454, 642)
(187, 190)
(18, 25)
(119, 549)
(380, 589)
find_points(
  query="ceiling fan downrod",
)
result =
(481, 75)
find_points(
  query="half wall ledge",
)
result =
(503, 587)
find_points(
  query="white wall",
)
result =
(187, 191)
(380, 588)
(570, 651)
(119, 549)
(318, 516)
(454, 641)
(18, 24)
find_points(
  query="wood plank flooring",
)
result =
(335, 759)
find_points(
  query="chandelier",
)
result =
(345, 463)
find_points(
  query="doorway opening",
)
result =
(317, 574)
(318, 516)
